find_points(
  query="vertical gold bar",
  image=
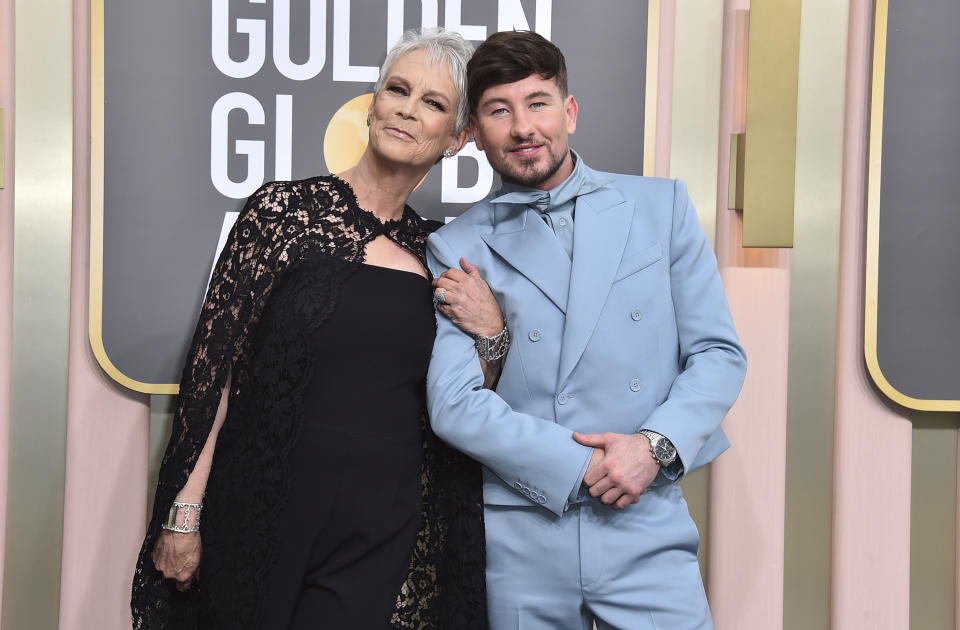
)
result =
(738, 144)
(932, 520)
(694, 103)
(772, 85)
(43, 198)
(956, 532)
(815, 271)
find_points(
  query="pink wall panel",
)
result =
(107, 427)
(747, 486)
(668, 15)
(872, 451)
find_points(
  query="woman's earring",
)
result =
(448, 153)
(368, 120)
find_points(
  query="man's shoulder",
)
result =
(469, 224)
(651, 196)
(631, 185)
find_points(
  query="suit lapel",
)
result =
(530, 247)
(600, 229)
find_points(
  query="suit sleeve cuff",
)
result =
(575, 492)
(673, 472)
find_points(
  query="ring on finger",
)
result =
(440, 297)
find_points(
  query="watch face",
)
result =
(660, 449)
(664, 451)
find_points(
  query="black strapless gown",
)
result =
(348, 528)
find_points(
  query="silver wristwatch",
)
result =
(661, 448)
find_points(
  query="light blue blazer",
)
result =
(634, 333)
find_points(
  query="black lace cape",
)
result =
(283, 225)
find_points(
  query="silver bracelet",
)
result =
(493, 348)
(184, 526)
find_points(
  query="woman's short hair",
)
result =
(440, 45)
(511, 56)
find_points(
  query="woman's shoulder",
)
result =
(286, 190)
(420, 223)
(282, 200)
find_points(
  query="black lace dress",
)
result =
(291, 277)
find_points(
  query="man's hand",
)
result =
(177, 556)
(595, 459)
(624, 470)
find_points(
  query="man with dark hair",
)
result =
(624, 361)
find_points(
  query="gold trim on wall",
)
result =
(873, 228)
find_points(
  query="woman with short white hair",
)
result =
(299, 434)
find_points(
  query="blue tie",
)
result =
(536, 199)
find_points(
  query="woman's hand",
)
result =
(468, 301)
(177, 557)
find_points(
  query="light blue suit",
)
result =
(633, 333)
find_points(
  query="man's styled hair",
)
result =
(511, 56)
(440, 46)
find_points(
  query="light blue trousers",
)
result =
(632, 569)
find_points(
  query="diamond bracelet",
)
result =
(185, 526)
(493, 348)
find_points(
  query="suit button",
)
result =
(534, 334)
(525, 492)
(636, 315)
(635, 385)
(562, 398)
(516, 484)
(541, 499)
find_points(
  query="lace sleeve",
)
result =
(240, 285)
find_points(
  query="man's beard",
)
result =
(533, 178)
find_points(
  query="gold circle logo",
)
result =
(346, 137)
